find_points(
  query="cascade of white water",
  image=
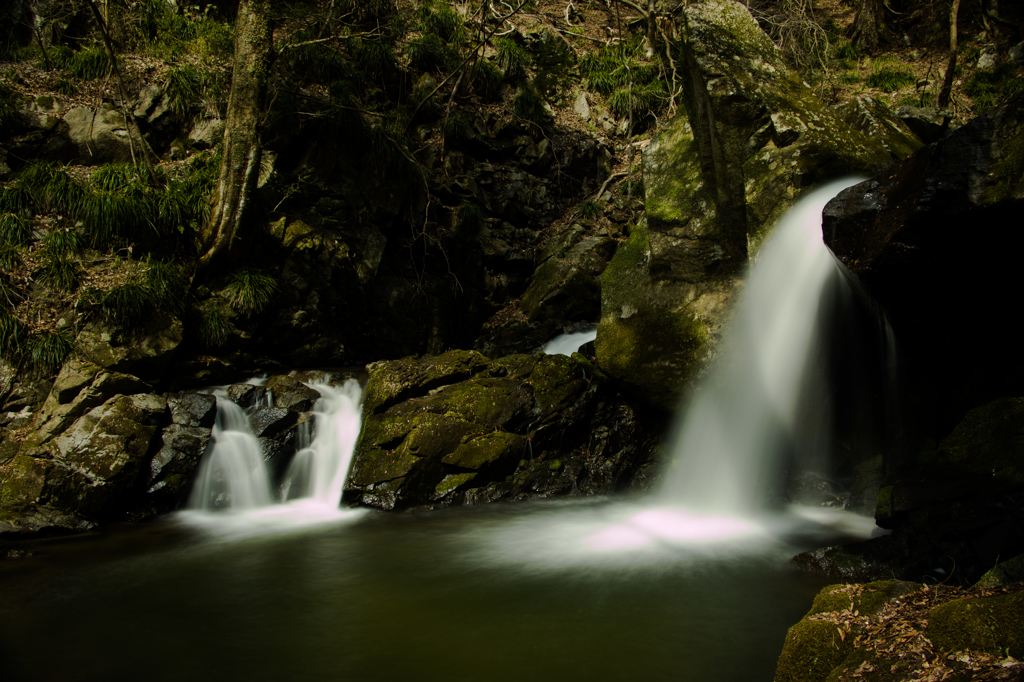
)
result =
(318, 471)
(232, 473)
(766, 398)
(567, 344)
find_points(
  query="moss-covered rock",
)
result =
(494, 434)
(994, 625)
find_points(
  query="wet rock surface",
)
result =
(515, 428)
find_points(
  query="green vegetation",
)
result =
(513, 58)
(15, 230)
(250, 290)
(991, 87)
(456, 129)
(60, 272)
(631, 82)
(48, 351)
(890, 79)
(213, 327)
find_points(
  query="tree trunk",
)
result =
(866, 31)
(240, 167)
(947, 82)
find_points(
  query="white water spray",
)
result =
(567, 344)
(766, 398)
(232, 473)
(318, 471)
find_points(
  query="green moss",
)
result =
(486, 450)
(811, 651)
(990, 624)
(452, 482)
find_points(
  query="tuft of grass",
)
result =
(50, 187)
(185, 88)
(48, 351)
(376, 58)
(456, 129)
(15, 230)
(888, 74)
(428, 53)
(66, 87)
(9, 257)
(167, 285)
(637, 102)
(62, 242)
(989, 88)
(444, 22)
(250, 290)
(88, 64)
(471, 216)
(429, 106)
(60, 272)
(213, 328)
(590, 210)
(17, 200)
(487, 80)
(12, 336)
(512, 58)
(529, 106)
(9, 293)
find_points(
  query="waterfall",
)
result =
(567, 344)
(766, 400)
(318, 471)
(232, 473)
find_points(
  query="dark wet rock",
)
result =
(928, 124)
(954, 510)
(173, 467)
(513, 428)
(99, 135)
(143, 352)
(278, 453)
(904, 233)
(245, 395)
(290, 392)
(567, 282)
(192, 409)
(1004, 573)
(271, 421)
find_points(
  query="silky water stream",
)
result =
(681, 586)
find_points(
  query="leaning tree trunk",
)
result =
(865, 33)
(240, 167)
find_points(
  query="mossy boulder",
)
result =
(823, 640)
(493, 434)
(992, 625)
(86, 474)
(751, 138)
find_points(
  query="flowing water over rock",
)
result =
(233, 478)
(567, 344)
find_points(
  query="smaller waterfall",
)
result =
(567, 344)
(318, 471)
(232, 473)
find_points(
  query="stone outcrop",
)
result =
(752, 137)
(461, 429)
(936, 234)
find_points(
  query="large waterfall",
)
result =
(766, 401)
(764, 407)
